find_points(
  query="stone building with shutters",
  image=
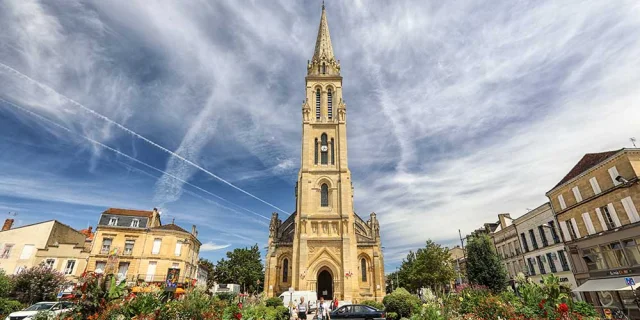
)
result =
(596, 205)
(324, 246)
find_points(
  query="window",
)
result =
(135, 223)
(587, 222)
(552, 265)
(113, 221)
(524, 242)
(100, 266)
(543, 236)
(631, 210)
(285, 270)
(324, 195)
(563, 205)
(594, 185)
(532, 270)
(613, 172)
(563, 260)
(27, 251)
(315, 151)
(68, 269)
(156, 246)
(128, 247)
(333, 153)
(613, 255)
(631, 250)
(363, 267)
(106, 245)
(178, 250)
(151, 271)
(576, 193)
(323, 149)
(123, 268)
(540, 265)
(329, 104)
(608, 219)
(317, 104)
(7, 251)
(50, 263)
(573, 230)
(534, 242)
(324, 68)
(554, 232)
(593, 258)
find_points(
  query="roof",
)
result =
(323, 42)
(588, 160)
(170, 226)
(88, 233)
(129, 212)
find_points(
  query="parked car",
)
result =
(53, 307)
(358, 312)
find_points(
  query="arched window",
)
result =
(317, 104)
(363, 267)
(333, 153)
(329, 104)
(324, 68)
(324, 148)
(315, 151)
(324, 195)
(285, 270)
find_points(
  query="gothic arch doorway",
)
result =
(325, 285)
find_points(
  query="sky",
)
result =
(457, 110)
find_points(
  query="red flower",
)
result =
(541, 304)
(563, 308)
(238, 316)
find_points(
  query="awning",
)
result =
(611, 284)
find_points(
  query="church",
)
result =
(324, 246)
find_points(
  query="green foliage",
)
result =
(226, 296)
(6, 284)
(242, 266)
(392, 316)
(230, 312)
(428, 267)
(483, 264)
(210, 268)
(37, 284)
(373, 303)
(402, 303)
(274, 302)
(281, 313)
(116, 290)
(429, 312)
(7, 306)
(584, 309)
(143, 304)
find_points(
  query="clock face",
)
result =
(323, 148)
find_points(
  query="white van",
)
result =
(309, 296)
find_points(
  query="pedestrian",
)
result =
(335, 303)
(322, 313)
(303, 307)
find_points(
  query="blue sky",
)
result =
(458, 111)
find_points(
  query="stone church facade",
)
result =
(324, 246)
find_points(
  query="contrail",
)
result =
(128, 157)
(133, 133)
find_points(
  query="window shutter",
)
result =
(156, 246)
(575, 227)
(27, 250)
(613, 172)
(563, 205)
(630, 208)
(594, 185)
(601, 218)
(151, 271)
(576, 193)
(178, 248)
(565, 231)
(588, 223)
(614, 215)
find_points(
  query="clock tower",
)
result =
(325, 246)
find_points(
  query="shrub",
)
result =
(274, 302)
(584, 309)
(372, 303)
(226, 296)
(8, 306)
(142, 304)
(402, 303)
(37, 284)
(429, 312)
(281, 313)
(6, 285)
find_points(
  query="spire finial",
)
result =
(322, 4)
(323, 42)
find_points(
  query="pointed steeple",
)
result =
(323, 61)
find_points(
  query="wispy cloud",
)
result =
(210, 246)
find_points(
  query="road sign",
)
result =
(630, 281)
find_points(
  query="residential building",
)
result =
(136, 246)
(544, 251)
(507, 243)
(459, 262)
(596, 205)
(202, 276)
(51, 243)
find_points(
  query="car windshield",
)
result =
(40, 306)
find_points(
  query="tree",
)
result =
(428, 267)
(210, 268)
(6, 284)
(483, 264)
(242, 266)
(37, 284)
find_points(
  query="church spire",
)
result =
(323, 61)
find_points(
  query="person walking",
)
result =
(334, 304)
(303, 307)
(322, 313)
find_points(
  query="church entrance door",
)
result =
(325, 285)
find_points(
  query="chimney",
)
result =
(7, 224)
(194, 232)
(90, 229)
(505, 220)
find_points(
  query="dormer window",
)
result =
(113, 221)
(135, 223)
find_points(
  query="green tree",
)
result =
(6, 284)
(210, 268)
(483, 264)
(428, 267)
(242, 266)
(37, 284)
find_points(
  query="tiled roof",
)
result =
(128, 212)
(589, 160)
(171, 226)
